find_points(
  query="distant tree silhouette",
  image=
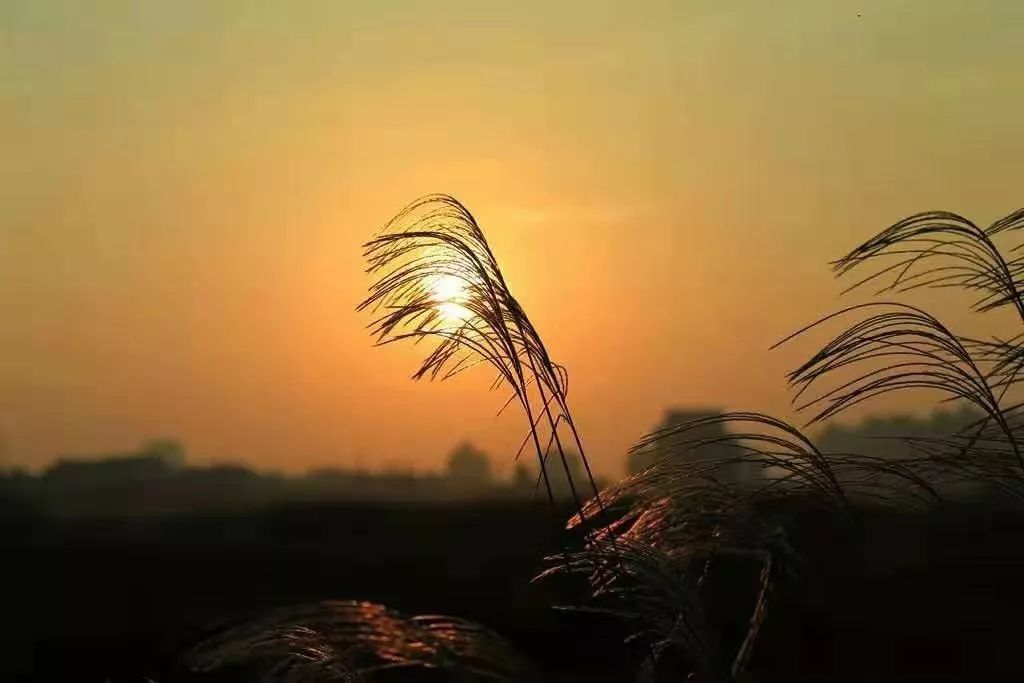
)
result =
(169, 451)
(4, 448)
(469, 466)
(707, 441)
(886, 435)
(523, 477)
(900, 437)
(560, 487)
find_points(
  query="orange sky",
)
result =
(185, 187)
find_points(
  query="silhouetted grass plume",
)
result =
(349, 642)
(680, 516)
(438, 279)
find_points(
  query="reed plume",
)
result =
(672, 520)
(652, 593)
(353, 642)
(896, 346)
(943, 250)
(682, 516)
(437, 279)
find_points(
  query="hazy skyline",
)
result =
(186, 185)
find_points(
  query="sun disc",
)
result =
(449, 294)
(453, 312)
(446, 288)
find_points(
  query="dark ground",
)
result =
(895, 597)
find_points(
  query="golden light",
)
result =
(449, 293)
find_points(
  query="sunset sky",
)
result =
(185, 186)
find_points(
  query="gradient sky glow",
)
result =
(184, 187)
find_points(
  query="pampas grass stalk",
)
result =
(434, 239)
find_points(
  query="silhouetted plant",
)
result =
(347, 641)
(943, 249)
(653, 593)
(898, 347)
(438, 279)
(682, 512)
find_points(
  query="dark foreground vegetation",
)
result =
(892, 596)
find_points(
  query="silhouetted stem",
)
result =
(756, 619)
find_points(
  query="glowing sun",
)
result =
(449, 294)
